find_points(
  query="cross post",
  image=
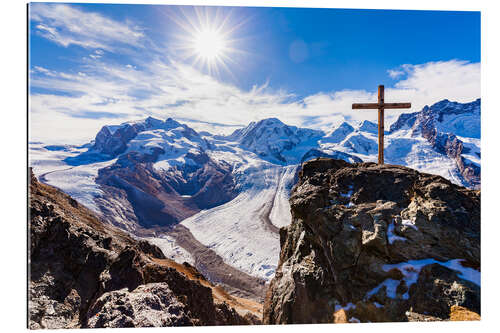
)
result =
(381, 106)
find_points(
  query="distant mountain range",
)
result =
(163, 181)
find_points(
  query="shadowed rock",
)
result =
(83, 273)
(372, 241)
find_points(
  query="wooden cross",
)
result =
(381, 106)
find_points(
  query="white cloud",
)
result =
(96, 55)
(68, 25)
(111, 94)
(458, 80)
(394, 73)
(43, 70)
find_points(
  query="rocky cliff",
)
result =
(83, 273)
(445, 125)
(371, 243)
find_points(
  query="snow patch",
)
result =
(411, 269)
(391, 236)
(348, 194)
(171, 249)
(409, 223)
(391, 286)
(348, 307)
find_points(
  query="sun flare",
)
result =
(209, 44)
(209, 38)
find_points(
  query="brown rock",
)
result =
(84, 273)
(459, 313)
(334, 253)
(340, 317)
(438, 288)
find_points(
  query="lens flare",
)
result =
(207, 37)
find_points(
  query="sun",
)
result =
(209, 38)
(209, 44)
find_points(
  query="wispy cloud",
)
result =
(109, 94)
(456, 79)
(101, 91)
(394, 73)
(68, 25)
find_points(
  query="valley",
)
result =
(217, 202)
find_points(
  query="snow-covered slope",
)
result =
(338, 134)
(274, 141)
(242, 231)
(232, 192)
(451, 129)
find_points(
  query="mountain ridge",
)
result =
(168, 174)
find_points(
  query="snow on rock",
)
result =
(368, 127)
(412, 268)
(338, 134)
(409, 223)
(391, 286)
(361, 144)
(171, 249)
(276, 142)
(347, 307)
(391, 236)
(459, 119)
(171, 142)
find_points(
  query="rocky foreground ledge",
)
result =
(371, 243)
(83, 273)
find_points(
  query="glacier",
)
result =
(263, 160)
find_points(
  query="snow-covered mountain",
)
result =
(275, 141)
(230, 193)
(452, 129)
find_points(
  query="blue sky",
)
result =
(97, 64)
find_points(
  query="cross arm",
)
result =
(384, 105)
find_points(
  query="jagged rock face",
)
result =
(440, 124)
(114, 143)
(160, 198)
(374, 241)
(113, 140)
(315, 153)
(83, 273)
(150, 305)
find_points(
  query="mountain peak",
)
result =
(270, 138)
(339, 133)
(368, 126)
(270, 122)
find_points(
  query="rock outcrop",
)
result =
(372, 243)
(83, 273)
